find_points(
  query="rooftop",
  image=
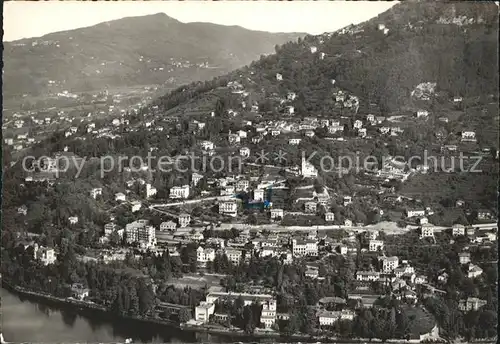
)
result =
(244, 296)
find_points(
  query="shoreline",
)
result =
(83, 306)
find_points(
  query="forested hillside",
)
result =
(381, 61)
(153, 49)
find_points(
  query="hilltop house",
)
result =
(384, 130)
(332, 129)
(312, 272)
(179, 192)
(233, 255)
(204, 255)
(275, 132)
(458, 229)
(184, 220)
(304, 248)
(309, 133)
(471, 304)
(375, 245)
(150, 191)
(229, 208)
(367, 276)
(389, 263)
(242, 185)
(468, 136)
(23, 210)
(415, 212)
(257, 139)
(258, 194)
(95, 192)
(308, 170)
(362, 132)
(426, 231)
(310, 207)
(207, 145)
(474, 271)
(234, 138)
(135, 206)
(329, 217)
(464, 257)
(483, 214)
(195, 178)
(45, 254)
(245, 152)
(120, 197)
(277, 214)
(168, 226)
(422, 114)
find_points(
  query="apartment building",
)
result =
(179, 192)
(389, 263)
(141, 232)
(304, 248)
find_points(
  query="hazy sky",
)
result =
(23, 19)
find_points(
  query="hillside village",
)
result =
(262, 224)
(154, 50)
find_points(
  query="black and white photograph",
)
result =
(250, 172)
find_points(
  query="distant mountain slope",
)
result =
(131, 51)
(381, 61)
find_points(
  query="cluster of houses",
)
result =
(206, 309)
(205, 312)
(46, 255)
(33, 122)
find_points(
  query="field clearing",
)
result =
(197, 281)
(421, 321)
(478, 188)
(394, 215)
(390, 228)
(197, 106)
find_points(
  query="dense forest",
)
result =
(136, 286)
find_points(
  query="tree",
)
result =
(146, 297)
(220, 107)
(117, 305)
(310, 322)
(184, 315)
(252, 219)
(293, 324)
(114, 238)
(248, 320)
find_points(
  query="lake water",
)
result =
(24, 320)
(27, 321)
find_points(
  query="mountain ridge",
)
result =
(132, 51)
(383, 59)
